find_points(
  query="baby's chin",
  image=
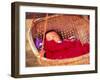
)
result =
(59, 41)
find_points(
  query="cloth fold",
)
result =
(66, 49)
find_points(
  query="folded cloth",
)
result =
(66, 49)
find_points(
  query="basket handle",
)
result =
(45, 27)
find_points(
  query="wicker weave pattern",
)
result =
(66, 25)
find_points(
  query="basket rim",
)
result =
(66, 59)
(49, 17)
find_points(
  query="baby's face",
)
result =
(53, 36)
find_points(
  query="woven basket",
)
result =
(66, 25)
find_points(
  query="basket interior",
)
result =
(65, 25)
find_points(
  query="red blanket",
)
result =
(66, 49)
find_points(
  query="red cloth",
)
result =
(66, 49)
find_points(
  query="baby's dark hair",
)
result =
(53, 31)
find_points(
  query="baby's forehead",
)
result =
(52, 33)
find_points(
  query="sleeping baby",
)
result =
(56, 48)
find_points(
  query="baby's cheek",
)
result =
(49, 38)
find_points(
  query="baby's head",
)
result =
(52, 35)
